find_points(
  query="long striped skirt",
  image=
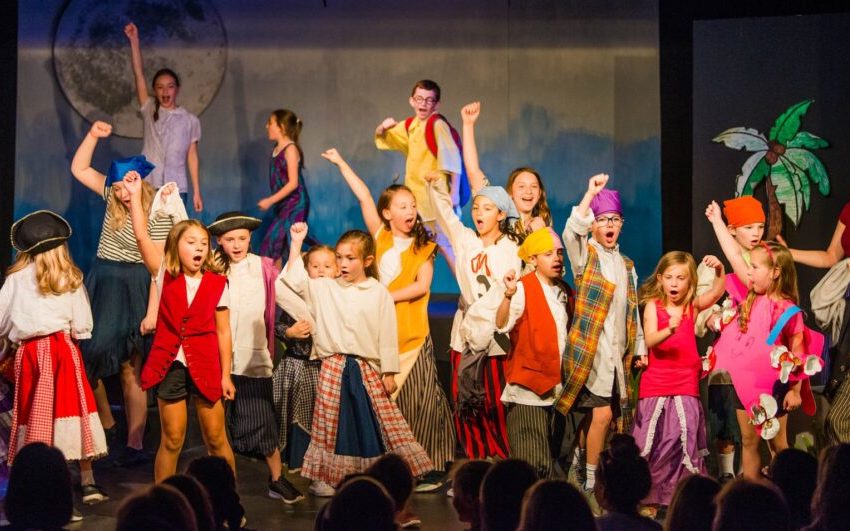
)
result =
(54, 403)
(485, 434)
(424, 405)
(354, 423)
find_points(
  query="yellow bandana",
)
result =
(539, 242)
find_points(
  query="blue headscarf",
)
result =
(501, 199)
(119, 168)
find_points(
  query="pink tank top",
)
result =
(674, 364)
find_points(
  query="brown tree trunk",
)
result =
(774, 211)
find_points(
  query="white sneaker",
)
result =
(321, 489)
(450, 493)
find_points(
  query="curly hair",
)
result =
(421, 236)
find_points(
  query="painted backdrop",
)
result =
(570, 88)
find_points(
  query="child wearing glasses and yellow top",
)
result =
(429, 145)
(606, 331)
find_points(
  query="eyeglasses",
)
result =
(614, 220)
(427, 101)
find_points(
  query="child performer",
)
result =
(354, 421)
(192, 342)
(251, 418)
(535, 309)
(428, 144)
(119, 286)
(484, 256)
(289, 199)
(297, 374)
(43, 306)
(405, 254)
(171, 133)
(524, 184)
(669, 421)
(606, 330)
(767, 350)
(745, 222)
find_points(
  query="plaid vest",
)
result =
(594, 296)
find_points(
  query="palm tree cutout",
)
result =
(784, 157)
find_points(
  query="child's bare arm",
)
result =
(225, 350)
(477, 179)
(418, 287)
(504, 309)
(81, 163)
(152, 253)
(718, 287)
(727, 242)
(132, 33)
(371, 216)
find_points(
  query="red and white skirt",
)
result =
(54, 403)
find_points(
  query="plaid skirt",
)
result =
(354, 422)
(54, 403)
(294, 383)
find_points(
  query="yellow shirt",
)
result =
(411, 315)
(411, 143)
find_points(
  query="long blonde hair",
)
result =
(541, 209)
(55, 270)
(652, 289)
(172, 254)
(776, 256)
(118, 212)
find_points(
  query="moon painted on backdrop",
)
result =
(91, 56)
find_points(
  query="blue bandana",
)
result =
(119, 168)
(501, 199)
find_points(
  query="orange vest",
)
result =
(534, 361)
(412, 315)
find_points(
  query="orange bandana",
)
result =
(744, 210)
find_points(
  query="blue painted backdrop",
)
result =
(568, 88)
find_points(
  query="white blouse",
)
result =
(25, 312)
(354, 319)
(248, 318)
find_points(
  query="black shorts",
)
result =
(177, 384)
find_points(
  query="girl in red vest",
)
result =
(192, 341)
(354, 421)
(669, 423)
(405, 253)
(524, 184)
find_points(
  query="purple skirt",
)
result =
(670, 430)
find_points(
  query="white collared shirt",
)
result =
(355, 319)
(248, 318)
(25, 312)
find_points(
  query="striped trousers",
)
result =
(530, 436)
(838, 419)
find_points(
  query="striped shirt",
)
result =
(120, 245)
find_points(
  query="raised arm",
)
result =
(367, 204)
(718, 287)
(448, 221)
(81, 163)
(477, 179)
(418, 287)
(152, 253)
(132, 33)
(727, 242)
(822, 259)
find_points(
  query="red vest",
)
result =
(535, 360)
(194, 328)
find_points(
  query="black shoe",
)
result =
(113, 438)
(93, 494)
(725, 478)
(283, 490)
(131, 457)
